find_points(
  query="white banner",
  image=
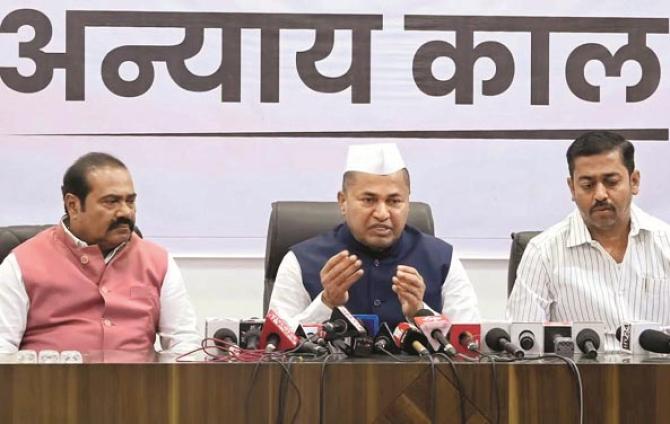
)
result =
(220, 109)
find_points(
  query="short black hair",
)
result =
(75, 179)
(597, 142)
(350, 175)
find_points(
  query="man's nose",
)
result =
(601, 192)
(125, 210)
(381, 211)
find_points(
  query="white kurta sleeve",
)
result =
(14, 304)
(290, 300)
(459, 301)
(177, 324)
(530, 299)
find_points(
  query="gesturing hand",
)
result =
(337, 275)
(409, 286)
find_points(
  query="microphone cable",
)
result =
(433, 389)
(252, 383)
(576, 374)
(400, 358)
(322, 383)
(459, 385)
(287, 377)
(494, 376)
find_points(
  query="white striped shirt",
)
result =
(565, 275)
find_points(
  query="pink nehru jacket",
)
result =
(79, 302)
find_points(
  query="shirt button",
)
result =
(107, 322)
(84, 260)
(105, 290)
(376, 262)
(377, 302)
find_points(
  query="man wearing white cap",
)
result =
(373, 263)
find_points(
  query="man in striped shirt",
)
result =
(607, 261)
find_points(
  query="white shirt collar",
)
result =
(80, 243)
(579, 232)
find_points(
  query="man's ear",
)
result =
(571, 187)
(72, 205)
(635, 182)
(342, 201)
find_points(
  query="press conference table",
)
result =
(118, 387)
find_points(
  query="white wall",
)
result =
(234, 286)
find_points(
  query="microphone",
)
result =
(498, 340)
(655, 341)
(465, 337)
(307, 343)
(410, 339)
(529, 336)
(384, 340)
(250, 332)
(214, 327)
(342, 324)
(558, 338)
(436, 328)
(369, 321)
(643, 336)
(276, 334)
(588, 342)
(225, 338)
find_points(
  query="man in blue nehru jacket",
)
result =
(373, 263)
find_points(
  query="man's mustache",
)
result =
(602, 206)
(122, 221)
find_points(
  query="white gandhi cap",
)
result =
(379, 159)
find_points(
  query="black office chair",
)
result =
(519, 242)
(293, 222)
(13, 235)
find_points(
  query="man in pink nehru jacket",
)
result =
(90, 283)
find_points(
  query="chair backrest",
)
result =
(519, 242)
(293, 222)
(12, 236)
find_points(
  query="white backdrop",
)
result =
(205, 188)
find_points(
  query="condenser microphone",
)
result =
(436, 329)
(276, 334)
(497, 340)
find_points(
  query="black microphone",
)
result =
(655, 341)
(342, 324)
(250, 333)
(588, 342)
(307, 346)
(384, 340)
(225, 338)
(497, 340)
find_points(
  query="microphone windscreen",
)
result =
(655, 341)
(493, 338)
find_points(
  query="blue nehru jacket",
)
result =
(372, 294)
